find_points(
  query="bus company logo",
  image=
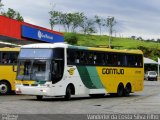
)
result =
(44, 35)
(71, 71)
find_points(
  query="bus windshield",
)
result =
(38, 70)
(35, 53)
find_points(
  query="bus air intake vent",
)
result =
(26, 84)
(34, 84)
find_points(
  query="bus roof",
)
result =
(45, 45)
(64, 45)
(10, 49)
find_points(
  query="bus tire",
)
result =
(5, 88)
(127, 90)
(68, 93)
(39, 97)
(120, 90)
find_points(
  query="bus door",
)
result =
(57, 64)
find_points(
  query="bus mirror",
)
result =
(13, 67)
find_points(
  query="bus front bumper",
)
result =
(32, 90)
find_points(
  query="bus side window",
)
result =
(13, 57)
(95, 58)
(100, 59)
(115, 59)
(112, 59)
(5, 57)
(82, 57)
(107, 59)
(77, 57)
(90, 58)
(9, 57)
(103, 59)
(131, 60)
(70, 57)
(0, 57)
(121, 60)
(139, 60)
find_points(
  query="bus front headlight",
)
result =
(43, 90)
(18, 90)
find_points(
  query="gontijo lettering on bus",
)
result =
(112, 71)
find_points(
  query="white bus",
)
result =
(63, 70)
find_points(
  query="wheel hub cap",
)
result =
(3, 88)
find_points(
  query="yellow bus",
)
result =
(8, 56)
(63, 70)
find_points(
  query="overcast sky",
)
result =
(134, 17)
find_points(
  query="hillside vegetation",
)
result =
(150, 49)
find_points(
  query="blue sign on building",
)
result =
(37, 34)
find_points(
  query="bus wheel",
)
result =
(39, 97)
(127, 90)
(68, 93)
(4, 88)
(120, 90)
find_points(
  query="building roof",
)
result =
(149, 61)
(13, 42)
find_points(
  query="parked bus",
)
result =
(8, 56)
(63, 70)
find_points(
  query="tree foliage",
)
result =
(78, 22)
(69, 21)
(11, 13)
(77, 19)
(54, 20)
(71, 38)
(1, 4)
(88, 26)
(100, 22)
(110, 22)
(153, 53)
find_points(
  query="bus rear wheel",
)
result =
(4, 88)
(120, 90)
(127, 90)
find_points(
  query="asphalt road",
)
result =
(27, 107)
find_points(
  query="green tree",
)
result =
(19, 17)
(1, 5)
(68, 20)
(158, 40)
(71, 38)
(54, 18)
(62, 21)
(77, 19)
(88, 26)
(99, 22)
(12, 14)
(110, 23)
